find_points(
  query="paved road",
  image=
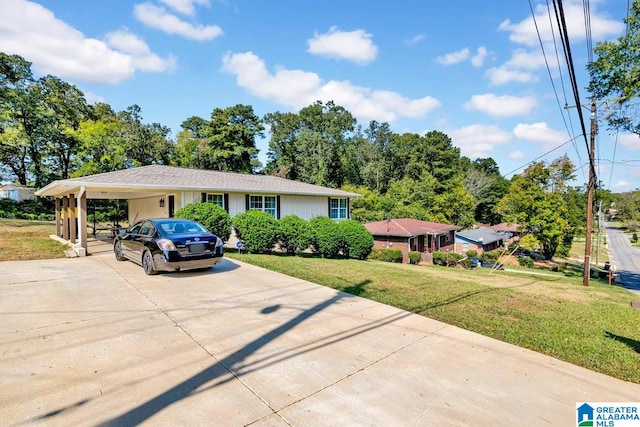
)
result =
(92, 341)
(625, 259)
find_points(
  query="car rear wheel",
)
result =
(147, 263)
(117, 250)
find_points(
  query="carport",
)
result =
(71, 197)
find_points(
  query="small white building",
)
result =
(17, 193)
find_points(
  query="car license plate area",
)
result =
(197, 248)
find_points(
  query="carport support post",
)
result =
(58, 217)
(72, 218)
(82, 219)
(65, 217)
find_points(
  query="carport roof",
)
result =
(153, 179)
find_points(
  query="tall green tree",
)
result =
(614, 73)
(147, 144)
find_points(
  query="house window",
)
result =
(216, 199)
(338, 208)
(264, 203)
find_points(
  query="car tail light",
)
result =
(218, 242)
(166, 245)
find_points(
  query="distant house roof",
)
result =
(406, 227)
(506, 228)
(158, 178)
(483, 236)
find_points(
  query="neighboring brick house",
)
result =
(413, 235)
(481, 240)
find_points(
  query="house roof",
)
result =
(480, 235)
(156, 179)
(504, 227)
(407, 227)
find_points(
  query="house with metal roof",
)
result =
(481, 239)
(158, 190)
(409, 234)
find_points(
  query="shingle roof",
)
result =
(480, 235)
(160, 177)
(407, 227)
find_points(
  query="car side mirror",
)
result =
(123, 231)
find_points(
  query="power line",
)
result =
(541, 156)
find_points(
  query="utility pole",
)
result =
(590, 190)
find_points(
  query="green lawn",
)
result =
(593, 326)
(22, 240)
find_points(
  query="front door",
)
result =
(172, 204)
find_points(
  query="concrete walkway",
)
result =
(92, 341)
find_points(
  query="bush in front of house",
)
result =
(358, 241)
(212, 216)
(472, 253)
(295, 234)
(490, 256)
(525, 261)
(414, 257)
(447, 259)
(327, 236)
(257, 230)
(387, 255)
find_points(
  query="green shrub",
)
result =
(472, 253)
(294, 233)
(466, 263)
(212, 216)
(327, 236)
(525, 261)
(414, 257)
(448, 259)
(490, 256)
(387, 255)
(257, 230)
(563, 251)
(357, 240)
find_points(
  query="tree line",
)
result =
(48, 131)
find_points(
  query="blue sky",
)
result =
(473, 70)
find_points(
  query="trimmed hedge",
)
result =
(414, 257)
(295, 234)
(387, 255)
(491, 256)
(257, 230)
(212, 216)
(447, 259)
(358, 241)
(525, 261)
(327, 236)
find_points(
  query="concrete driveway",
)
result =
(93, 341)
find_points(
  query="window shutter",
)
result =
(246, 202)
(329, 207)
(348, 208)
(277, 207)
(226, 202)
(203, 197)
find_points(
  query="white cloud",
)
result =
(524, 32)
(415, 39)
(453, 57)
(186, 7)
(157, 17)
(540, 133)
(528, 60)
(622, 186)
(503, 74)
(478, 59)
(515, 155)
(501, 106)
(33, 32)
(297, 89)
(92, 98)
(630, 141)
(355, 46)
(478, 141)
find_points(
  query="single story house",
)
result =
(481, 239)
(413, 235)
(511, 232)
(17, 193)
(158, 190)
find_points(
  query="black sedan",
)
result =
(168, 244)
